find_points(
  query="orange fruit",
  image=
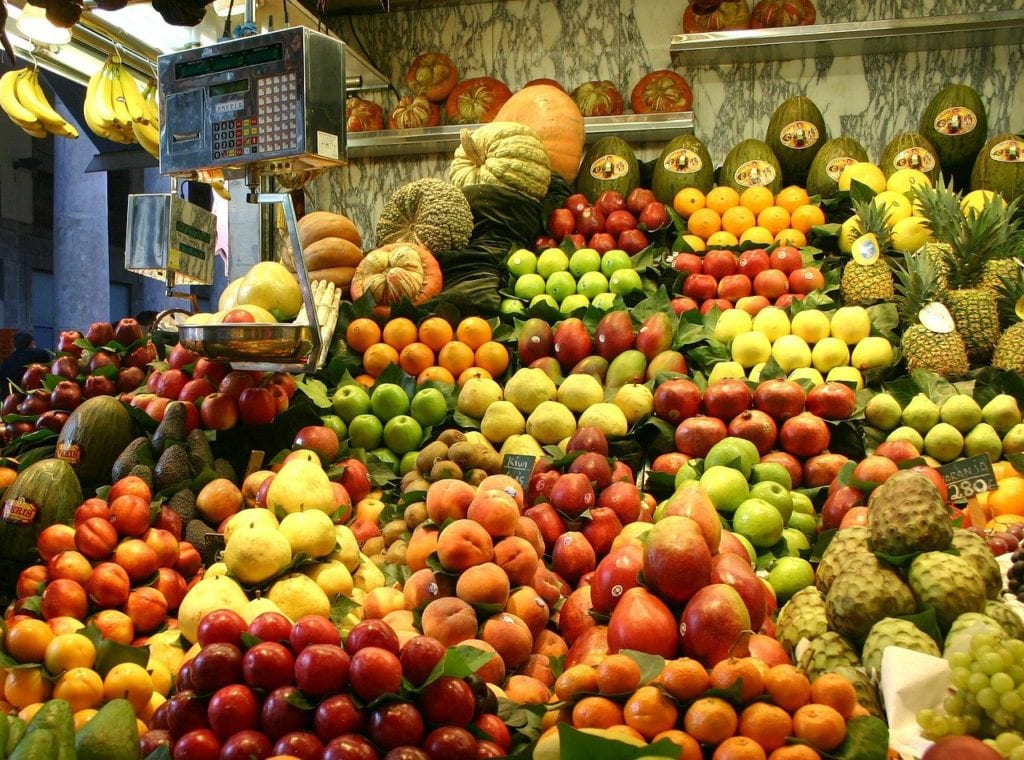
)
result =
(493, 357)
(788, 687)
(415, 358)
(473, 373)
(377, 358)
(790, 236)
(688, 200)
(26, 686)
(574, 680)
(704, 223)
(129, 681)
(82, 717)
(791, 198)
(435, 332)
(7, 476)
(689, 749)
(794, 752)
(768, 725)
(473, 331)
(710, 720)
(739, 748)
(650, 712)
(618, 674)
(399, 333)
(456, 357)
(804, 217)
(684, 678)
(738, 220)
(722, 198)
(835, 691)
(757, 199)
(29, 712)
(366, 381)
(596, 712)
(1007, 499)
(727, 672)
(362, 333)
(27, 641)
(82, 688)
(758, 235)
(820, 725)
(1004, 470)
(435, 374)
(774, 219)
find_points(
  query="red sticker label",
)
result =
(69, 452)
(20, 511)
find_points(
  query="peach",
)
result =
(31, 581)
(64, 598)
(527, 528)
(526, 690)
(380, 601)
(422, 543)
(496, 511)
(538, 666)
(92, 507)
(510, 637)
(137, 558)
(164, 544)
(492, 671)
(549, 585)
(115, 625)
(483, 584)
(505, 483)
(96, 538)
(526, 604)
(550, 643)
(401, 620)
(424, 586)
(449, 620)
(251, 486)
(170, 583)
(219, 499)
(189, 560)
(109, 585)
(448, 499)
(147, 609)
(63, 624)
(131, 484)
(462, 544)
(55, 539)
(518, 558)
(130, 514)
(71, 565)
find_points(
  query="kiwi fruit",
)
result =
(430, 454)
(445, 469)
(451, 436)
(415, 514)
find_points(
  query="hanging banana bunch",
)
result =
(116, 110)
(23, 100)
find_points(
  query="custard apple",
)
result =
(967, 626)
(974, 549)
(845, 543)
(893, 632)
(864, 592)
(803, 616)
(827, 652)
(867, 694)
(948, 583)
(906, 514)
(1007, 617)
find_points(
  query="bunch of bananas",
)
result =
(115, 109)
(23, 99)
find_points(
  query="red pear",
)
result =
(590, 648)
(535, 340)
(614, 334)
(641, 621)
(655, 335)
(692, 501)
(737, 572)
(615, 574)
(572, 342)
(712, 623)
(677, 560)
(602, 528)
(574, 617)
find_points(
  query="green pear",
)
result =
(1013, 441)
(580, 391)
(944, 442)
(550, 422)
(907, 433)
(1002, 413)
(983, 439)
(921, 414)
(883, 412)
(528, 388)
(502, 420)
(961, 411)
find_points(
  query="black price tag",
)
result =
(519, 466)
(969, 477)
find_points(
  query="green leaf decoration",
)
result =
(458, 662)
(867, 738)
(575, 744)
(928, 623)
(651, 665)
(316, 391)
(110, 653)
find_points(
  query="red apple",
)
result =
(700, 287)
(719, 263)
(771, 283)
(831, 401)
(786, 259)
(753, 262)
(618, 222)
(688, 262)
(638, 199)
(610, 201)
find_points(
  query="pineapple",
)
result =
(1009, 354)
(864, 284)
(919, 282)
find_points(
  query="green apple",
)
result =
(592, 284)
(583, 261)
(543, 298)
(349, 401)
(614, 260)
(389, 400)
(552, 260)
(522, 262)
(528, 286)
(572, 303)
(511, 306)
(365, 432)
(560, 285)
(788, 575)
(603, 301)
(402, 434)
(624, 281)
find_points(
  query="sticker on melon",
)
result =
(956, 120)
(1008, 152)
(69, 452)
(683, 161)
(609, 167)
(914, 158)
(865, 249)
(20, 511)
(755, 173)
(834, 168)
(799, 135)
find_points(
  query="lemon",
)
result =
(722, 239)
(791, 352)
(310, 531)
(905, 180)
(726, 370)
(864, 172)
(846, 375)
(696, 244)
(910, 233)
(848, 233)
(851, 324)
(976, 200)
(751, 348)
(271, 286)
(229, 297)
(731, 323)
(897, 206)
(759, 235)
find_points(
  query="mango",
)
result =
(628, 367)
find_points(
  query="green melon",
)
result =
(828, 164)
(1000, 166)
(44, 493)
(910, 150)
(751, 163)
(685, 162)
(795, 134)
(955, 122)
(93, 437)
(609, 164)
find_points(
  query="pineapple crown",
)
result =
(1008, 292)
(871, 219)
(941, 207)
(918, 283)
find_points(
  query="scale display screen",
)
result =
(228, 88)
(228, 61)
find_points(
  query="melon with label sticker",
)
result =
(44, 493)
(955, 122)
(93, 437)
(910, 150)
(796, 133)
(829, 162)
(751, 163)
(1000, 166)
(609, 164)
(685, 162)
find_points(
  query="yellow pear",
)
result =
(249, 518)
(300, 485)
(522, 444)
(229, 296)
(367, 576)
(298, 595)
(347, 552)
(206, 596)
(217, 568)
(271, 286)
(255, 555)
(332, 577)
(257, 607)
(310, 532)
(636, 401)
(606, 417)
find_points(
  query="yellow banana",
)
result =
(133, 101)
(100, 85)
(9, 99)
(117, 99)
(93, 98)
(32, 130)
(149, 100)
(147, 137)
(31, 95)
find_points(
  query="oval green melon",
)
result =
(751, 163)
(910, 150)
(956, 123)
(685, 162)
(829, 162)
(609, 164)
(44, 493)
(795, 134)
(93, 437)
(1000, 166)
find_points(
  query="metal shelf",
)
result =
(850, 39)
(408, 142)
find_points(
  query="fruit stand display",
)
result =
(607, 457)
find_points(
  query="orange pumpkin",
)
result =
(555, 117)
(731, 14)
(432, 75)
(414, 111)
(661, 91)
(544, 80)
(476, 101)
(777, 13)
(396, 272)
(363, 115)
(598, 98)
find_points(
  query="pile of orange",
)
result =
(431, 351)
(675, 706)
(1004, 505)
(724, 217)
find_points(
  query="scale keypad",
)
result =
(236, 137)
(276, 102)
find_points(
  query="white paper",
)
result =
(911, 682)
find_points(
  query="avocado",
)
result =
(40, 745)
(172, 467)
(184, 503)
(145, 472)
(173, 428)
(137, 452)
(110, 735)
(200, 456)
(225, 469)
(55, 716)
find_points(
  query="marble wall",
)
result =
(870, 98)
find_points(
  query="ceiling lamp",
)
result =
(33, 25)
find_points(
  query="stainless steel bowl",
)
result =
(248, 342)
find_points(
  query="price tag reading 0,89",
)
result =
(969, 477)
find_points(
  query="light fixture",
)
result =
(220, 7)
(32, 24)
